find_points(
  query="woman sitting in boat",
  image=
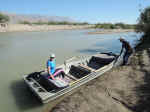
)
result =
(51, 68)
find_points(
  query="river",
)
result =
(25, 52)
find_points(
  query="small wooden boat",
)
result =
(73, 73)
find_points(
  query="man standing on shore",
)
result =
(128, 50)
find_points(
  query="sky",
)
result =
(92, 11)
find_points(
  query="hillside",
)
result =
(16, 18)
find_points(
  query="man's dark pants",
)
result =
(125, 57)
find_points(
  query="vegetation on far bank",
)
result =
(114, 26)
(54, 23)
(98, 25)
(3, 18)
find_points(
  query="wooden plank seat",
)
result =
(78, 71)
(98, 62)
(87, 67)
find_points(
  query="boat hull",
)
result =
(46, 96)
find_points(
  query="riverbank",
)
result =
(111, 31)
(123, 89)
(29, 28)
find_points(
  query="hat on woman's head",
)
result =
(52, 56)
(121, 39)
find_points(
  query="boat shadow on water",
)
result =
(91, 51)
(24, 98)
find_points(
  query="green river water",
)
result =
(25, 52)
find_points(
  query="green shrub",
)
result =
(59, 23)
(40, 23)
(114, 26)
(3, 18)
(25, 22)
(144, 26)
(144, 22)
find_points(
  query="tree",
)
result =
(3, 18)
(121, 25)
(144, 22)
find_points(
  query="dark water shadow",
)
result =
(143, 92)
(94, 51)
(90, 51)
(102, 47)
(24, 98)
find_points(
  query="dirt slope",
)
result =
(123, 89)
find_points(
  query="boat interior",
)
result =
(73, 71)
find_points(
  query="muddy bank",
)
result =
(21, 27)
(111, 31)
(123, 89)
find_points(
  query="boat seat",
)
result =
(71, 77)
(87, 67)
(58, 82)
(50, 84)
(98, 62)
(78, 71)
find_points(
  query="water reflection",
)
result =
(24, 98)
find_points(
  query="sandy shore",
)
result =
(21, 27)
(29, 28)
(111, 31)
(123, 89)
